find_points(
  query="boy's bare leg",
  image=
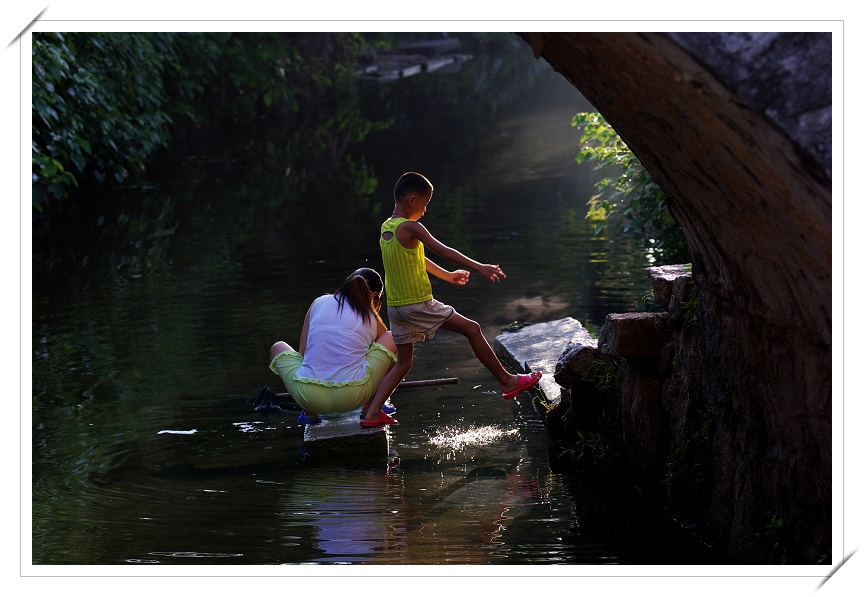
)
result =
(472, 331)
(404, 360)
(385, 340)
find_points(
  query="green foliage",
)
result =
(515, 326)
(598, 441)
(98, 105)
(690, 309)
(628, 193)
(597, 448)
(772, 537)
(104, 103)
(608, 375)
(590, 448)
(771, 525)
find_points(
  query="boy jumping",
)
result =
(414, 315)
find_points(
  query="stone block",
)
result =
(632, 335)
(642, 421)
(580, 362)
(343, 436)
(682, 290)
(663, 280)
(538, 347)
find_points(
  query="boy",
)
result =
(414, 315)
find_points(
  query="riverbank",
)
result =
(631, 401)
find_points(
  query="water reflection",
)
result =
(356, 517)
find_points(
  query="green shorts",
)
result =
(327, 398)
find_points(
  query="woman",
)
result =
(345, 350)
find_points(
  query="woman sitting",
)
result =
(344, 352)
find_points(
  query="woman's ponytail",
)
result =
(357, 291)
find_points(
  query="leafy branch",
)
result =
(627, 195)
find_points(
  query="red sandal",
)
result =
(383, 419)
(525, 382)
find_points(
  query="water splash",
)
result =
(456, 439)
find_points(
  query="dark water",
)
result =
(152, 323)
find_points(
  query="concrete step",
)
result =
(342, 435)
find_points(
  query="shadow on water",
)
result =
(154, 308)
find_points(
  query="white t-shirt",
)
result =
(336, 344)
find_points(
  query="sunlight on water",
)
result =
(195, 554)
(457, 439)
(252, 426)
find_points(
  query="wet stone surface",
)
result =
(342, 434)
(538, 347)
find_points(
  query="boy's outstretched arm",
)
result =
(418, 231)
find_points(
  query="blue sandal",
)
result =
(303, 419)
(387, 409)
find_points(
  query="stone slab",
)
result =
(343, 435)
(538, 347)
(663, 278)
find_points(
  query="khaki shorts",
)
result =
(326, 398)
(417, 322)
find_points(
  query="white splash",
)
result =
(473, 436)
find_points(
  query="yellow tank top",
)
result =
(405, 279)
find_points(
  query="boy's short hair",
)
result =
(411, 182)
